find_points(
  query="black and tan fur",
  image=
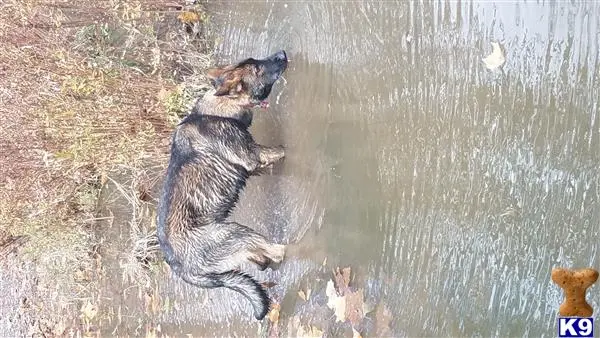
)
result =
(212, 156)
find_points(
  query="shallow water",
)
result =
(450, 189)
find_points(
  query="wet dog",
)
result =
(212, 156)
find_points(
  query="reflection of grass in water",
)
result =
(141, 259)
(89, 86)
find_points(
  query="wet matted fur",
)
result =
(212, 156)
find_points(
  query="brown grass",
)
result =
(86, 88)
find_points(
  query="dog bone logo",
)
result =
(575, 284)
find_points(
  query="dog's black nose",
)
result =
(280, 55)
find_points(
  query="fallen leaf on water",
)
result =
(355, 307)
(346, 303)
(496, 59)
(302, 295)
(274, 313)
(305, 296)
(342, 280)
(335, 302)
(383, 318)
(309, 333)
(268, 285)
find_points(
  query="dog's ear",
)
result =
(214, 73)
(228, 84)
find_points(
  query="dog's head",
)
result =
(248, 82)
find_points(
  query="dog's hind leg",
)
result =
(238, 243)
(268, 254)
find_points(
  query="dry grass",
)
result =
(87, 88)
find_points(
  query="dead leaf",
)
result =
(189, 17)
(104, 177)
(354, 307)
(274, 313)
(335, 302)
(268, 285)
(305, 296)
(342, 280)
(302, 331)
(496, 59)
(383, 318)
(273, 316)
(346, 304)
(310, 332)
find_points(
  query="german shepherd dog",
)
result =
(212, 156)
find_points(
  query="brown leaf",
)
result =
(355, 307)
(268, 285)
(189, 17)
(383, 318)
(273, 316)
(274, 313)
(305, 296)
(347, 304)
(342, 280)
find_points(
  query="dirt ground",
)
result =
(89, 93)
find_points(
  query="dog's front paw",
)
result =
(280, 152)
(275, 252)
(271, 155)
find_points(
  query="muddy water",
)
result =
(451, 189)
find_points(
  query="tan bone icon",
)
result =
(575, 284)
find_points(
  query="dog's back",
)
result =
(199, 172)
(212, 156)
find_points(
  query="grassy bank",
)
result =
(87, 90)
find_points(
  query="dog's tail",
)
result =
(236, 281)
